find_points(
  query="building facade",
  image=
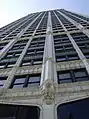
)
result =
(44, 66)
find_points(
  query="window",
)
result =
(9, 111)
(2, 81)
(10, 65)
(72, 76)
(81, 75)
(34, 54)
(64, 77)
(73, 57)
(64, 51)
(34, 81)
(19, 81)
(74, 110)
(61, 58)
(26, 63)
(26, 81)
(2, 65)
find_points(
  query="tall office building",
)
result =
(44, 66)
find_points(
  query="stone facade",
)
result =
(49, 95)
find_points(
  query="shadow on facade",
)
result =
(74, 110)
(19, 112)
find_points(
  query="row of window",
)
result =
(83, 42)
(68, 25)
(2, 29)
(64, 50)
(43, 24)
(80, 16)
(77, 109)
(33, 26)
(2, 45)
(35, 51)
(22, 26)
(11, 57)
(83, 23)
(67, 76)
(18, 27)
(56, 24)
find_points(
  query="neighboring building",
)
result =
(44, 70)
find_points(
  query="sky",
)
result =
(11, 10)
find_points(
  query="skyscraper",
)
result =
(44, 66)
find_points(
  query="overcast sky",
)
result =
(11, 10)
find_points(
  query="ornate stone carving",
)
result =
(48, 92)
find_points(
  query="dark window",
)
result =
(74, 110)
(19, 112)
(72, 76)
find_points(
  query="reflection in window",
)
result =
(74, 110)
(19, 112)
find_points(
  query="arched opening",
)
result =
(19, 112)
(74, 110)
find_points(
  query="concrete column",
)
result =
(78, 50)
(49, 111)
(14, 69)
(49, 65)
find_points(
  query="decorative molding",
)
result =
(48, 92)
(69, 65)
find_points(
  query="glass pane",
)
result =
(34, 79)
(33, 84)
(2, 66)
(64, 76)
(19, 80)
(61, 59)
(10, 65)
(82, 79)
(37, 62)
(80, 74)
(26, 63)
(18, 86)
(2, 82)
(66, 81)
